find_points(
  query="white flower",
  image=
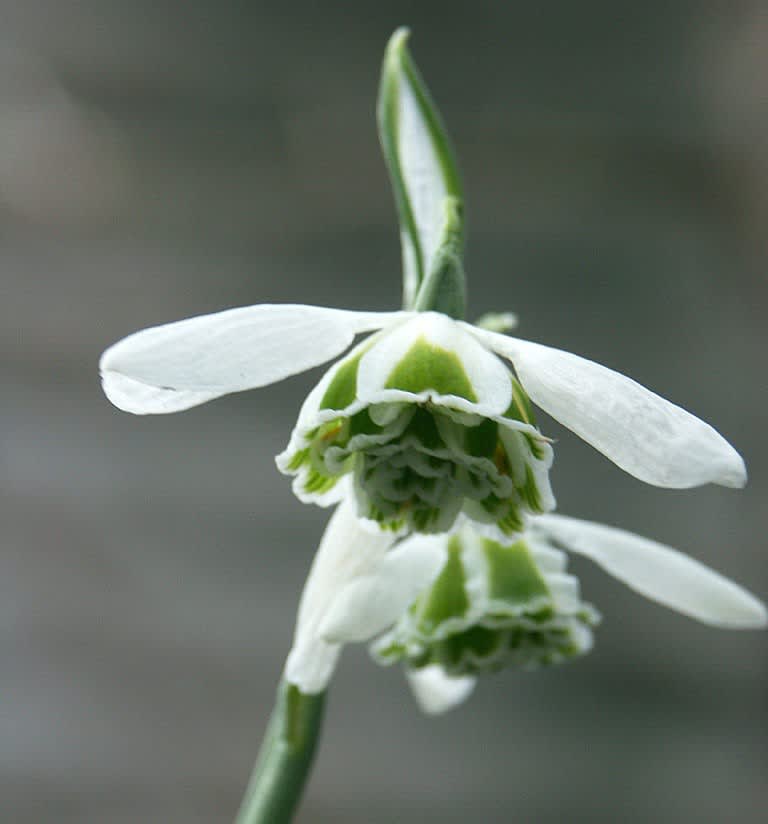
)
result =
(428, 422)
(494, 605)
(359, 585)
(363, 418)
(424, 414)
(511, 604)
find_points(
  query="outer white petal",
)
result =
(311, 663)
(310, 415)
(373, 601)
(436, 692)
(347, 550)
(488, 376)
(173, 367)
(133, 395)
(658, 572)
(649, 437)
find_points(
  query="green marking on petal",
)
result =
(529, 492)
(318, 483)
(512, 574)
(298, 460)
(481, 441)
(342, 390)
(424, 427)
(447, 597)
(426, 367)
(512, 522)
(361, 424)
(520, 409)
(535, 445)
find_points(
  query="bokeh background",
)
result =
(163, 159)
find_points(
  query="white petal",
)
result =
(133, 395)
(658, 572)
(654, 440)
(310, 415)
(488, 376)
(350, 548)
(347, 550)
(311, 664)
(173, 367)
(436, 692)
(370, 603)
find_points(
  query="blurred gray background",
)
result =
(163, 159)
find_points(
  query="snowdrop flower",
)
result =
(511, 603)
(494, 605)
(428, 422)
(424, 414)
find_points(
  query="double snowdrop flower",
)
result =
(511, 604)
(452, 607)
(425, 428)
(425, 414)
(494, 605)
(459, 605)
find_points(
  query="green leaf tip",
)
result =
(422, 170)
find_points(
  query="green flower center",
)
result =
(417, 465)
(483, 616)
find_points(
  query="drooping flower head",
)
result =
(429, 423)
(495, 604)
(426, 427)
(425, 414)
(510, 604)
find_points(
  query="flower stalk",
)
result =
(285, 758)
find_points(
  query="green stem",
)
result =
(285, 758)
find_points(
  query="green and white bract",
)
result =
(429, 423)
(493, 605)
